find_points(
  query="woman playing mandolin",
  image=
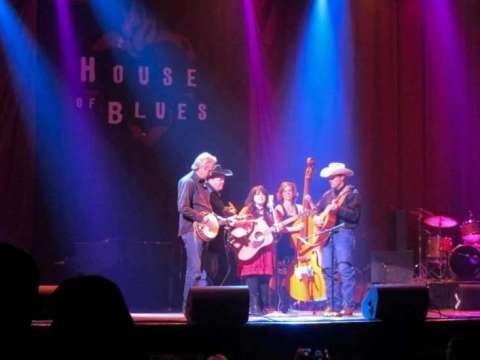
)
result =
(257, 271)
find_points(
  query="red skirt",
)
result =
(260, 264)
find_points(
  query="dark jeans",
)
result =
(194, 275)
(283, 277)
(340, 246)
(258, 288)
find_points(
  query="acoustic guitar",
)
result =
(261, 236)
(327, 218)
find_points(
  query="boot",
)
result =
(254, 305)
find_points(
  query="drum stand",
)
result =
(438, 265)
(438, 269)
(422, 272)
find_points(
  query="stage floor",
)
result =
(279, 336)
(274, 317)
(298, 317)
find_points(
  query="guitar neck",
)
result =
(294, 218)
(289, 220)
(343, 195)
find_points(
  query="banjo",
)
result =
(209, 230)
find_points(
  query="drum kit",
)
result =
(443, 257)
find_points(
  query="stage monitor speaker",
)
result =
(392, 267)
(467, 297)
(218, 305)
(405, 303)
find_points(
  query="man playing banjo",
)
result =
(194, 205)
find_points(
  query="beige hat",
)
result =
(335, 168)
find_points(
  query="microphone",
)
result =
(270, 203)
(270, 206)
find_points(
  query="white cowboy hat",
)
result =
(335, 168)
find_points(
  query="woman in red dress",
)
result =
(257, 271)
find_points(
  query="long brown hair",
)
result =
(252, 192)
(282, 187)
(252, 210)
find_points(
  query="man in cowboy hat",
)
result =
(216, 260)
(216, 183)
(338, 252)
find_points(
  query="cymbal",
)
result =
(441, 221)
(421, 212)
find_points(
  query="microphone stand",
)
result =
(275, 257)
(227, 249)
(421, 266)
(333, 272)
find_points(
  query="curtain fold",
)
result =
(16, 147)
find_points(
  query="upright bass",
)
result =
(306, 280)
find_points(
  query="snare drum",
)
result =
(470, 231)
(465, 262)
(439, 246)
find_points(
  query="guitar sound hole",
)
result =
(258, 239)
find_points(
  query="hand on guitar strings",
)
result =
(333, 206)
(208, 221)
(230, 209)
(296, 228)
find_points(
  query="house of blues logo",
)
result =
(141, 78)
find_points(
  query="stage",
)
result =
(326, 142)
(278, 336)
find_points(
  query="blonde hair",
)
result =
(201, 159)
(282, 187)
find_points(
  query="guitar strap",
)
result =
(286, 215)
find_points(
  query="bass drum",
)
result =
(465, 262)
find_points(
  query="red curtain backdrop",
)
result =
(418, 122)
(415, 107)
(16, 155)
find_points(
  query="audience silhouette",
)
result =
(461, 348)
(19, 278)
(91, 320)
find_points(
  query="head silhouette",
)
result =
(19, 278)
(87, 312)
